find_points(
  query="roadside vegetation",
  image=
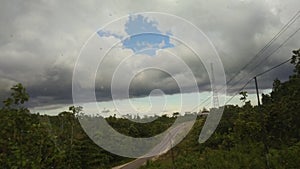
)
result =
(249, 136)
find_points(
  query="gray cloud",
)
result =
(39, 42)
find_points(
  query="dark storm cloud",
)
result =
(54, 88)
(39, 43)
(159, 80)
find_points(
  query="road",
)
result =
(161, 148)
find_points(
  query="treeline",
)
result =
(41, 141)
(250, 136)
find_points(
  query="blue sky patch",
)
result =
(107, 34)
(144, 36)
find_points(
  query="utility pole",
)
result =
(257, 92)
(262, 125)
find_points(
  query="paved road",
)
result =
(134, 164)
(161, 148)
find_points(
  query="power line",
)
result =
(242, 88)
(283, 43)
(238, 92)
(273, 67)
(246, 84)
(293, 34)
(257, 66)
(282, 30)
(231, 97)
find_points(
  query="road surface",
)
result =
(163, 147)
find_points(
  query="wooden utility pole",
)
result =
(257, 92)
(262, 125)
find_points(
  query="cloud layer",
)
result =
(40, 41)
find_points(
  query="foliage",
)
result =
(249, 136)
(41, 141)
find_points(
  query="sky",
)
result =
(41, 43)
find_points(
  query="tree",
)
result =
(18, 96)
(296, 61)
(175, 114)
(244, 96)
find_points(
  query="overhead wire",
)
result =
(276, 36)
(273, 68)
(259, 74)
(283, 43)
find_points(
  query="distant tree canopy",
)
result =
(40, 141)
(176, 114)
